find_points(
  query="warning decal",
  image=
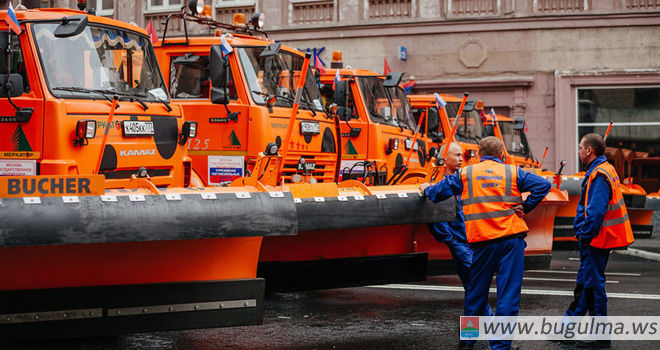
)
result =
(224, 168)
(16, 167)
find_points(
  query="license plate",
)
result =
(138, 128)
(409, 143)
(309, 128)
(306, 167)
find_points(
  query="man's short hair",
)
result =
(596, 142)
(490, 146)
(442, 149)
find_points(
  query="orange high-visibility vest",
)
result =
(615, 231)
(490, 191)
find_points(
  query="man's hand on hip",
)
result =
(423, 187)
(519, 210)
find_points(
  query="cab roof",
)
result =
(430, 99)
(233, 40)
(348, 72)
(57, 13)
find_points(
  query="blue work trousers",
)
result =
(507, 258)
(589, 294)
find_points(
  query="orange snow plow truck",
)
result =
(98, 234)
(262, 122)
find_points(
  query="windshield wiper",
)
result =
(135, 97)
(289, 99)
(103, 93)
(167, 105)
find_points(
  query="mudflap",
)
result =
(447, 267)
(288, 276)
(45, 314)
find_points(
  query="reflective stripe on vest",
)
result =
(615, 230)
(489, 193)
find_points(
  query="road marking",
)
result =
(633, 274)
(573, 259)
(525, 291)
(640, 253)
(558, 279)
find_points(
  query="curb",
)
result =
(640, 253)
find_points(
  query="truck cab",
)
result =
(469, 128)
(259, 84)
(68, 70)
(377, 129)
(513, 136)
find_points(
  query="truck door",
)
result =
(21, 134)
(219, 150)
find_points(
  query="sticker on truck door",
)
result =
(18, 167)
(225, 168)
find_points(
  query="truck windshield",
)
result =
(514, 140)
(470, 127)
(100, 58)
(385, 105)
(277, 76)
(401, 107)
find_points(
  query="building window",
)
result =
(632, 145)
(105, 7)
(163, 5)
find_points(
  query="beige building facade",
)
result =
(565, 65)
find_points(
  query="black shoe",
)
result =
(603, 344)
(585, 344)
(465, 346)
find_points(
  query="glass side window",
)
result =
(276, 76)
(401, 107)
(513, 139)
(419, 113)
(387, 106)
(103, 59)
(435, 131)
(16, 61)
(190, 79)
(470, 128)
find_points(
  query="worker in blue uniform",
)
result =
(491, 199)
(601, 224)
(453, 233)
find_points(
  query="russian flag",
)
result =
(12, 21)
(407, 86)
(439, 100)
(337, 78)
(318, 64)
(493, 115)
(226, 48)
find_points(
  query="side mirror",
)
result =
(393, 79)
(518, 123)
(71, 26)
(11, 87)
(218, 73)
(489, 130)
(271, 50)
(469, 105)
(341, 89)
(433, 152)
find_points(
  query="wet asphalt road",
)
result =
(387, 318)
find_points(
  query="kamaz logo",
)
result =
(137, 152)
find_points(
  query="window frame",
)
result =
(579, 124)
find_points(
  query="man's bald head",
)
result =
(454, 158)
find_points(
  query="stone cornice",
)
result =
(484, 83)
(448, 26)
